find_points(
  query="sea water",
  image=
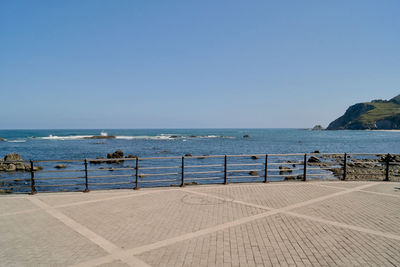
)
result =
(73, 144)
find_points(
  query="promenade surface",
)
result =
(278, 224)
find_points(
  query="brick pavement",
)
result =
(276, 224)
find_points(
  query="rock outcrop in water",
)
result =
(13, 162)
(374, 115)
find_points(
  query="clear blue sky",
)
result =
(184, 64)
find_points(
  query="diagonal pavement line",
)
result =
(229, 200)
(170, 241)
(87, 233)
(343, 225)
(379, 193)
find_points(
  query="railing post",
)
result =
(387, 167)
(225, 170)
(33, 188)
(344, 167)
(266, 169)
(183, 172)
(86, 177)
(305, 168)
(137, 174)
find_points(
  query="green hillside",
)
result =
(377, 114)
(380, 111)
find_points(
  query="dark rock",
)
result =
(2, 140)
(60, 166)
(254, 157)
(20, 166)
(318, 128)
(116, 155)
(254, 173)
(246, 136)
(97, 161)
(188, 155)
(290, 178)
(283, 170)
(13, 157)
(131, 156)
(11, 168)
(316, 152)
(313, 160)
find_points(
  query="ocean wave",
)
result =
(130, 137)
(16, 141)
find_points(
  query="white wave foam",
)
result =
(69, 137)
(17, 141)
(129, 137)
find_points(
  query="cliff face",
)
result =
(377, 114)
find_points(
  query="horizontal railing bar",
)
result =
(108, 160)
(159, 168)
(282, 155)
(256, 170)
(249, 164)
(203, 172)
(156, 181)
(319, 174)
(55, 185)
(16, 186)
(58, 178)
(157, 174)
(151, 158)
(15, 161)
(280, 175)
(116, 183)
(238, 177)
(286, 163)
(105, 176)
(59, 171)
(283, 170)
(246, 155)
(207, 178)
(202, 166)
(59, 160)
(110, 169)
(204, 156)
(369, 154)
(324, 168)
(15, 180)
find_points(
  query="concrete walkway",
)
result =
(275, 224)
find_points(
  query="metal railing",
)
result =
(40, 175)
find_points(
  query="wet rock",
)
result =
(254, 157)
(10, 168)
(116, 155)
(2, 140)
(313, 160)
(131, 156)
(283, 170)
(13, 157)
(188, 155)
(318, 128)
(290, 178)
(246, 136)
(254, 173)
(316, 152)
(60, 166)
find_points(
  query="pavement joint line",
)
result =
(87, 233)
(230, 200)
(173, 240)
(379, 193)
(106, 199)
(344, 225)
